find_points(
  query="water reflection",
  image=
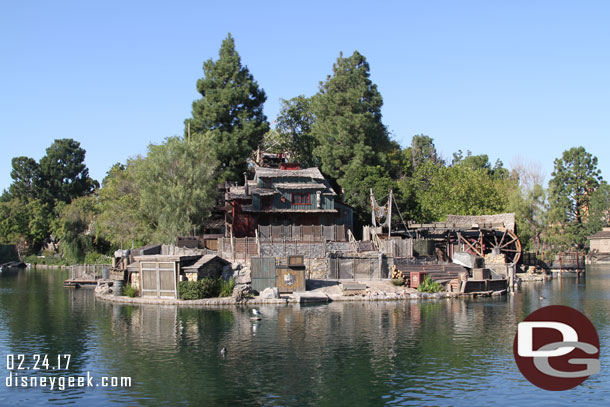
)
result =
(453, 352)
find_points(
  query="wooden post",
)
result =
(390, 215)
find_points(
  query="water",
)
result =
(445, 352)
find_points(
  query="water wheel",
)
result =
(497, 241)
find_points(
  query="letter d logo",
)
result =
(556, 348)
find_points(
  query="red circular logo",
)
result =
(556, 348)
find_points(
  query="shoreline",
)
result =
(307, 297)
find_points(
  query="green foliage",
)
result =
(25, 175)
(97, 258)
(73, 233)
(571, 188)
(55, 260)
(429, 286)
(121, 221)
(294, 123)
(398, 281)
(195, 290)
(230, 111)
(63, 174)
(348, 125)
(226, 287)
(130, 291)
(188, 290)
(459, 190)
(177, 186)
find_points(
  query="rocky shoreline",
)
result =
(296, 298)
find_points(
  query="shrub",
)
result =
(226, 287)
(398, 281)
(210, 287)
(130, 291)
(195, 290)
(429, 286)
(188, 290)
(97, 258)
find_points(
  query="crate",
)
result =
(289, 280)
(416, 278)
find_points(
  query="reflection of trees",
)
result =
(306, 353)
(40, 316)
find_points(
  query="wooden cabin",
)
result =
(284, 196)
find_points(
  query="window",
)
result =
(301, 199)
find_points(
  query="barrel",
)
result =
(118, 287)
(105, 274)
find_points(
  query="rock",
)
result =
(103, 288)
(241, 292)
(244, 276)
(270, 292)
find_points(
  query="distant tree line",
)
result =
(172, 189)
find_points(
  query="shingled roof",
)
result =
(313, 173)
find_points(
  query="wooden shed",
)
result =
(208, 266)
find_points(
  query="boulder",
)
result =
(270, 292)
(243, 277)
(103, 288)
(242, 292)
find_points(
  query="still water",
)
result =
(443, 352)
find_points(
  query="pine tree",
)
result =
(230, 111)
(348, 124)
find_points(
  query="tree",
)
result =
(230, 111)
(63, 173)
(574, 181)
(529, 202)
(348, 125)
(177, 186)
(120, 221)
(25, 175)
(458, 189)
(294, 122)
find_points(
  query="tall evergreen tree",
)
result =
(230, 111)
(573, 184)
(348, 124)
(63, 173)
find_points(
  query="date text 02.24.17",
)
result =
(37, 362)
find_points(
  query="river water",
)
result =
(436, 352)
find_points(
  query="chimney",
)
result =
(246, 183)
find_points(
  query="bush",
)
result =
(210, 287)
(195, 290)
(188, 290)
(97, 258)
(226, 287)
(429, 286)
(398, 281)
(51, 260)
(130, 291)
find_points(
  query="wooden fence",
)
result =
(88, 271)
(302, 233)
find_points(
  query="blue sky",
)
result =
(505, 78)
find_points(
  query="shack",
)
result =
(208, 266)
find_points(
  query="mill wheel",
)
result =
(498, 241)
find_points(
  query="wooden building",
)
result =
(284, 196)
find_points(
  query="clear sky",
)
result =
(504, 78)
